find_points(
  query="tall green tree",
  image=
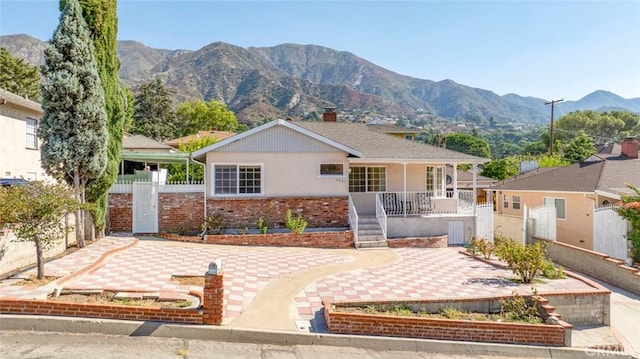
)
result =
(35, 212)
(579, 149)
(73, 128)
(468, 144)
(178, 171)
(101, 19)
(19, 77)
(154, 113)
(199, 115)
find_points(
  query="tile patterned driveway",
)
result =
(422, 273)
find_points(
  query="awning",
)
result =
(156, 157)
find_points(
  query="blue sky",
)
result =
(546, 49)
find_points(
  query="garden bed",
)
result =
(130, 299)
(427, 319)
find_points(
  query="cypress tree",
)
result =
(101, 19)
(73, 128)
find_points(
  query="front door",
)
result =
(145, 207)
(456, 233)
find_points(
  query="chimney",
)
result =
(629, 148)
(330, 115)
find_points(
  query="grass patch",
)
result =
(188, 280)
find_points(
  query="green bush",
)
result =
(263, 226)
(295, 225)
(214, 224)
(483, 246)
(525, 261)
(519, 309)
(552, 271)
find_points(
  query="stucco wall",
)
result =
(576, 229)
(427, 227)
(17, 160)
(508, 227)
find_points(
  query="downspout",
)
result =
(455, 181)
(204, 178)
(475, 198)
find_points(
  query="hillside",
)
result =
(293, 80)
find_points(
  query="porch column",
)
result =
(475, 197)
(404, 193)
(454, 177)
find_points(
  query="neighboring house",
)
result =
(575, 191)
(142, 156)
(397, 131)
(466, 182)
(213, 134)
(19, 143)
(339, 174)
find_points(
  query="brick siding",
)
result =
(180, 210)
(120, 212)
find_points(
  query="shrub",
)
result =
(483, 246)
(519, 309)
(552, 271)
(525, 261)
(630, 210)
(295, 225)
(263, 226)
(214, 224)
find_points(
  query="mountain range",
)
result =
(292, 80)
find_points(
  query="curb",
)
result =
(287, 338)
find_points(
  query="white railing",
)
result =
(425, 203)
(169, 187)
(381, 215)
(353, 219)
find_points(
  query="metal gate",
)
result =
(609, 232)
(456, 233)
(544, 222)
(145, 207)
(484, 221)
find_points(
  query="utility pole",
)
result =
(552, 103)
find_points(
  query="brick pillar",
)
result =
(213, 296)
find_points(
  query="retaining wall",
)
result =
(333, 239)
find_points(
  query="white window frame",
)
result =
(515, 204)
(331, 175)
(366, 179)
(438, 180)
(31, 139)
(237, 193)
(544, 201)
(505, 201)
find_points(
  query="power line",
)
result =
(552, 103)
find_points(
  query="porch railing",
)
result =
(353, 219)
(425, 203)
(381, 215)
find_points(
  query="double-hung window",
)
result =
(32, 138)
(367, 179)
(560, 204)
(516, 202)
(435, 180)
(505, 201)
(237, 179)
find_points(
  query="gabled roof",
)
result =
(608, 175)
(200, 154)
(360, 141)
(393, 129)
(140, 142)
(377, 146)
(6, 96)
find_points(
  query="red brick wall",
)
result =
(104, 311)
(213, 295)
(319, 212)
(120, 212)
(430, 328)
(422, 242)
(341, 239)
(180, 210)
(212, 308)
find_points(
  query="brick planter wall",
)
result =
(212, 308)
(445, 329)
(319, 212)
(334, 239)
(421, 242)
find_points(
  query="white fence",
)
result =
(610, 232)
(172, 187)
(484, 221)
(544, 222)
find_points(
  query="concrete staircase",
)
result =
(370, 234)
